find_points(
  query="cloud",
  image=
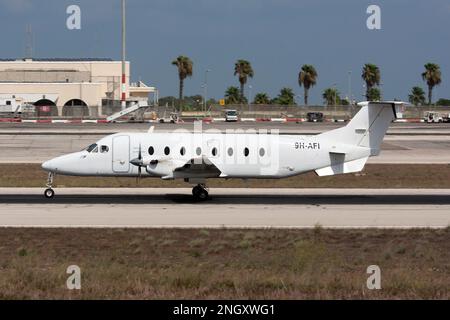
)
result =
(17, 6)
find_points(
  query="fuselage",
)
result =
(234, 155)
(199, 155)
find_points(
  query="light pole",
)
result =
(123, 97)
(350, 87)
(335, 92)
(381, 91)
(205, 89)
(249, 96)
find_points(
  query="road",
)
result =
(241, 208)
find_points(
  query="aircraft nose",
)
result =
(48, 166)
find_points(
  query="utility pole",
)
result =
(123, 97)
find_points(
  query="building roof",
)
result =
(55, 59)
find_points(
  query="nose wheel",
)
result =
(49, 193)
(200, 192)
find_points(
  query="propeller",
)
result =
(139, 163)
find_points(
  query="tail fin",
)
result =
(368, 126)
(359, 139)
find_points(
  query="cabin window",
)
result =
(151, 151)
(198, 151)
(166, 151)
(214, 151)
(246, 152)
(104, 149)
(230, 151)
(182, 151)
(92, 147)
(8, 103)
(262, 152)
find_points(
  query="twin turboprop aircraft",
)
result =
(198, 156)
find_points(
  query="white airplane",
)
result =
(197, 156)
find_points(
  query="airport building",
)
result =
(70, 87)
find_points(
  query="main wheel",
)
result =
(199, 193)
(203, 194)
(49, 193)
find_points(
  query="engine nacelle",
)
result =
(164, 168)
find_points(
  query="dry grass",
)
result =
(373, 176)
(278, 264)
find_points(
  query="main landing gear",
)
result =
(49, 193)
(200, 192)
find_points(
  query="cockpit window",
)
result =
(92, 148)
(104, 149)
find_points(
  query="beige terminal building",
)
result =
(70, 87)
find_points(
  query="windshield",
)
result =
(231, 113)
(91, 147)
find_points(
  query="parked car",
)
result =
(432, 117)
(231, 115)
(172, 118)
(314, 116)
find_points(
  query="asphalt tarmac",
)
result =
(231, 208)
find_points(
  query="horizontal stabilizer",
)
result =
(343, 167)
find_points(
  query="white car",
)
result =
(432, 117)
(231, 115)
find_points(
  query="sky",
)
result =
(276, 36)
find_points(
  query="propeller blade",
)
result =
(136, 162)
(139, 163)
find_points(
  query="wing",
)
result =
(167, 169)
(201, 167)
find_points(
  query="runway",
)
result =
(287, 127)
(26, 148)
(35, 143)
(231, 208)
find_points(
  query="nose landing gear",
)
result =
(49, 193)
(200, 192)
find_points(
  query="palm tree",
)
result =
(185, 67)
(243, 69)
(371, 75)
(261, 98)
(417, 96)
(432, 76)
(285, 97)
(374, 94)
(232, 95)
(331, 96)
(307, 78)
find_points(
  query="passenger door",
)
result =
(121, 154)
